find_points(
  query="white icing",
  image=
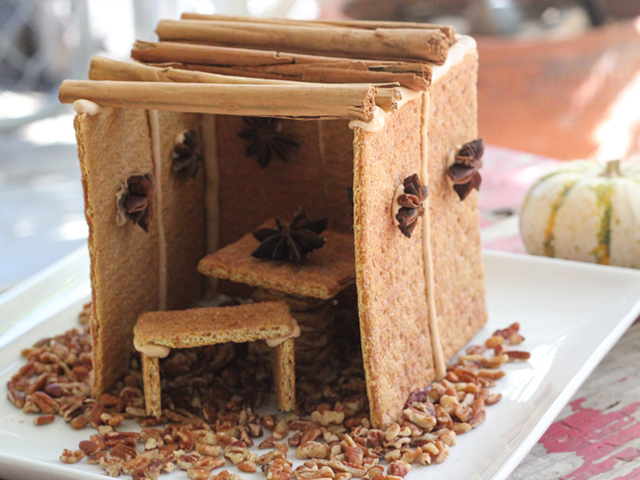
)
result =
(407, 95)
(274, 342)
(375, 125)
(152, 350)
(86, 106)
(154, 126)
(463, 46)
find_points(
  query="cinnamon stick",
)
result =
(157, 52)
(316, 74)
(305, 101)
(379, 44)
(387, 96)
(282, 65)
(107, 69)
(448, 30)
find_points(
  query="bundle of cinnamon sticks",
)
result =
(298, 65)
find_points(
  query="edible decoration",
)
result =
(265, 139)
(585, 211)
(274, 342)
(150, 350)
(464, 171)
(86, 106)
(186, 159)
(135, 201)
(410, 201)
(436, 414)
(291, 242)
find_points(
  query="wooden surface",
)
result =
(597, 435)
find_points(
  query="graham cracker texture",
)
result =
(112, 146)
(151, 381)
(326, 272)
(212, 325)
(316, 176)
(216, 325)
(455, 227)
(394, 322)
(284, 374)
(182, 214)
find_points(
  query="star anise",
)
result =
(265, 139)
(292, 242)
(186, 159)
(464, 172)
(135, 201)
(411, 204)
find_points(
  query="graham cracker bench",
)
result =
(158, 332)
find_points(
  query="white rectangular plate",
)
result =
(570, 313)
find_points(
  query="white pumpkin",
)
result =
(585, 211)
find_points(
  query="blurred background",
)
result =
(558, 80)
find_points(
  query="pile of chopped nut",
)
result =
(208, 422)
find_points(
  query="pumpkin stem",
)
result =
(612, 169)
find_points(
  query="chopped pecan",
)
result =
(248, 466)
(500, 349)
(478, 418)
(398, 468)
(327, 417)
(69, 456)
(279, 469)
(79, 422)
(312, 450)
(210, 463)
(422, 419)
(494, 362)
(43, 420)
(475, 350)
(491, 374)
(211, 450)
(199, 474)
(45, 403)
(510, 330)
(280, 430)
(515, 355)
(460, 428)
(354, 455)
(89, 447)
(124, 452)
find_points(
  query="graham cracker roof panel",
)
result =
(326, 272)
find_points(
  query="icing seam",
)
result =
(436, 344)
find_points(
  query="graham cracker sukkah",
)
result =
(324, 169)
